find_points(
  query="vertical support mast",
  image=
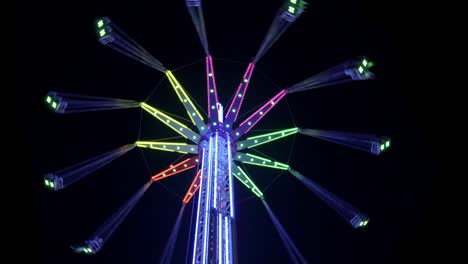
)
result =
(215, 214)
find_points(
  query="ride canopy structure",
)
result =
(218, 143)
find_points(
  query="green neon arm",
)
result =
(259, 161)
(192, 111)
(171, 122)
(183, 148)
(266, 138)
(242, 177)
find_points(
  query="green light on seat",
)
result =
(102, 32)
(52, 185)
(100, 23)
(291, 9)
(382, 147)
(48, 99)
(54, 105)
(364, 62)
(387, 144)
(46, 182)
(360, 69)
(293, 1)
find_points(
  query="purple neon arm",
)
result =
(211, 82)
(244, 127)
(236, 101)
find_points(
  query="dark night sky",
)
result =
(60, 52)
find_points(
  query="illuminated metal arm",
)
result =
(259, 161)
(242, 177)
(238, 98)
(193, 188)
(265, 138)
(168, 146)
(176, 169)
(252, 120)
(191, 109)
(212, 92)
(172, 123)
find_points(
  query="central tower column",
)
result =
(213, 242)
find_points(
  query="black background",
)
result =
(58, 51)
